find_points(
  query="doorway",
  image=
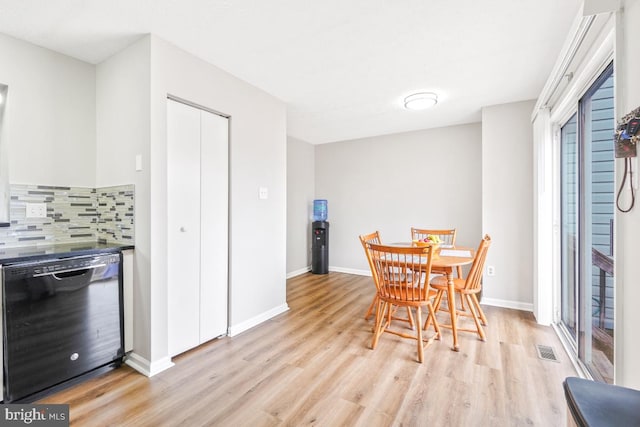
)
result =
(197, 234)
(587, 229)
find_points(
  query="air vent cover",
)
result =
(546, 352)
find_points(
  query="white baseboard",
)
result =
(488, 301)
(331, 268)
(147, 368)
(524, 306)
(299, 272)
(353, 271)
(350, 271)
(250, 323)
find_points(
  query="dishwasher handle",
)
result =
(70, 270)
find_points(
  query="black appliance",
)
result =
(320, 247)
(62, 318)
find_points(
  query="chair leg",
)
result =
(380, 323)
(459, 271)
(420, 343)
(432, 315)
(436, 304)
(438, 307)
(370, 309)
(391, 309)
(410, 317)
(474, 298)
(438, 300)
(475, 316)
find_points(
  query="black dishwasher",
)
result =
(62, 318)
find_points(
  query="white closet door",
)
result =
(214, 225)
(183, 188)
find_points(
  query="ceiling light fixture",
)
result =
(420, 101)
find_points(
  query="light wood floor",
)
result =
(312, 366)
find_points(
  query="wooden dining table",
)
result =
(445, 261)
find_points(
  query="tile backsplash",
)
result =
(74, 214)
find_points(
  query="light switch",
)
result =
(138, 163)
(263, 193)
(36, 210)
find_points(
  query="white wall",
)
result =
(257, 159)
(51, 116)
(507, 203)
(429, 178)
(300, 195)
(627, 345)
(122, 131)
(56, 140)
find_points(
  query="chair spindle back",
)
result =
(447, 237)
(475, 273)
(402, 273)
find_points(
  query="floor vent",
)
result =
(546, 352)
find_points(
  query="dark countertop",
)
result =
(66, 250)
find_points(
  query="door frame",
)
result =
(568, 106)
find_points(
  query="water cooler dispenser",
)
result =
(320, 238)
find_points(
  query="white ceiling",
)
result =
(341, 66)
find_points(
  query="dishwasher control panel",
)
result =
(60, 265)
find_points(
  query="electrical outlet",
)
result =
(491, 270)
(36, 210)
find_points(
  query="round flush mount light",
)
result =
(420, 101)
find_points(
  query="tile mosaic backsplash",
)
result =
(74, 214)
(115, 214)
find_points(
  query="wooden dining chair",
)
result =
(364, 239)
(401, 275)
(375, 238)
(467, 289)
(447, 238)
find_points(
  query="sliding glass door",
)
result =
(587, 212)
(569, 227)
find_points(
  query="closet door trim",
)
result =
(198, 106)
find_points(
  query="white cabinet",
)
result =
(197, 188)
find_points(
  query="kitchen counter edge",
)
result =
(37, 253)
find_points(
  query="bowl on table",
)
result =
(422, 244)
